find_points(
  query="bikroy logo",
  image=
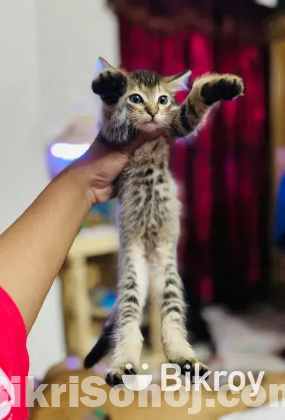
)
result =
(137, 382)
(140, 382)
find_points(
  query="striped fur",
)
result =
(149, 216)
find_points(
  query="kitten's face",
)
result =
(150, 100)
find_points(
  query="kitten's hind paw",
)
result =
(110, 85)
(197, 370)
(193, 365)
(114, 376)
(221, 88)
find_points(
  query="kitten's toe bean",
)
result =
(224, 89)
(114, 376)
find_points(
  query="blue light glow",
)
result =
(68, 151)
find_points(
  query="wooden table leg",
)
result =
(155, 326)
(77, 307)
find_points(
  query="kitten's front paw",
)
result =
(110, 85)
(114, 376)
(221, 88)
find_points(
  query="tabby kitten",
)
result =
(149, 216)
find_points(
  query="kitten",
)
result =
(149, 216)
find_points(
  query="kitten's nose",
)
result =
(151, 113)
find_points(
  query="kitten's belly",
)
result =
(149, 206)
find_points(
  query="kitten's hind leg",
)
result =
(167, 290)
(133, 287)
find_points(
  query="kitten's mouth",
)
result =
(152, 121)
(150, 125)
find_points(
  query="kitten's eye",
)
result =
(136, 99)
(162, 100)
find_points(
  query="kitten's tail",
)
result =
(103, 345)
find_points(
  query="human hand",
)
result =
(101, 165)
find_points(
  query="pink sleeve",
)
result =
(14, 360)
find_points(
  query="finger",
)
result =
(114, 192)
(97, 148)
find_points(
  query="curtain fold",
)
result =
(170, 16)
(223, 171)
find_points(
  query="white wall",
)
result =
(72, 34)
(47, 53)
(22, 174)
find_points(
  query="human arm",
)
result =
(34, 247)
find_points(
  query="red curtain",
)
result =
(222, 172)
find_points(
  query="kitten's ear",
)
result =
(102, 64)
(178, 82)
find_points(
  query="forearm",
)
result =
(34, 248)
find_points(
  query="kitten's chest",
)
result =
(147, 171)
